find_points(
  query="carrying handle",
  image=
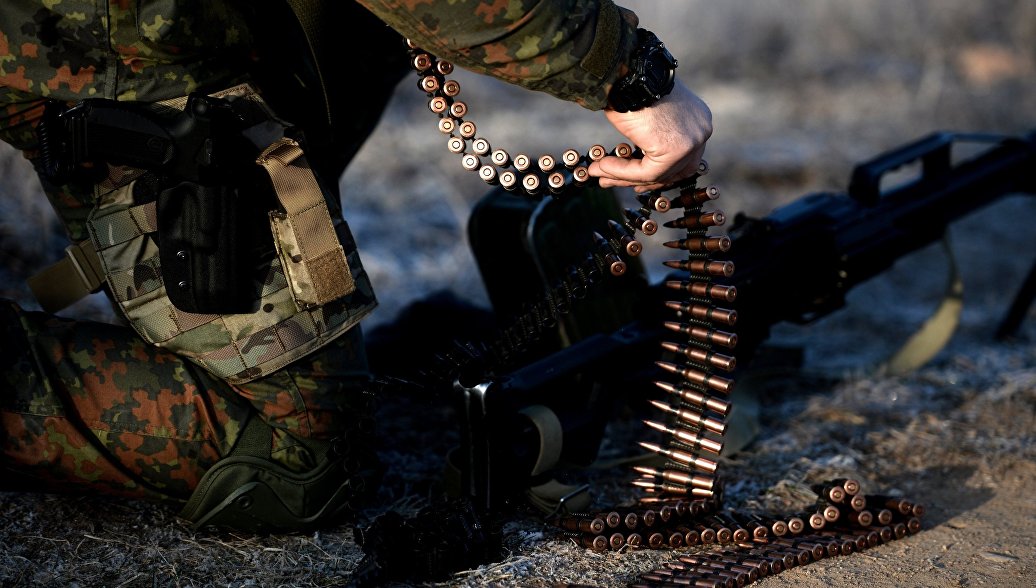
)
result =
(933, 151)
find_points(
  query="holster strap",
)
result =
(75, 276)
(320, 262)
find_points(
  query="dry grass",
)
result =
(800, 93)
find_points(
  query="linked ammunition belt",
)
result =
(681, 501)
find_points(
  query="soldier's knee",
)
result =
(249, 491)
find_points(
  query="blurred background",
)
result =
(800, 91)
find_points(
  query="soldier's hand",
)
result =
(671, 134)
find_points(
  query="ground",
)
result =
(798, 96)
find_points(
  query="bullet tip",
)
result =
(650, 446)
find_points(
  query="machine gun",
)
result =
(551, 405)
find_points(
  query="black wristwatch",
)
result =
(652, 73)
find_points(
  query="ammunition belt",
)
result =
(681, 502)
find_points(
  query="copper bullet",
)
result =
(447, 125)
(654, 201)
(580, 175)
(704, 335)
(531, 183)
(918, 510)
(830, 492)
(631, 520)
(438, 105)
(699, 377)
(640, 221)
(596, 153)
(458, 109)
(706, 534)
(451, 88)
(702, 356)
(703, 266)
(695, 197)
(711, 244)
(480, 147)
(796, 525)
(830, 513)
(665, 513)
(616, 541)
(816, 550)
(859, 542)
(857, 502)
(597, 543)
(693, 418)
(813, 520)
(705, 561)
(466, 129)
(428, 84)
(674, 539)
(522, 162)
(872, 537)
(456, 145)
(789, 556)
(883, 516)
(593, 525)
(651, 486)
(616, 266)
(556, 182)
(913, 525)
(739, 534)
(863, 518)
(546, 163)
(693, 439)
(779, 561)
(570, 158)
(682, 457)
(851, 486)
(690, 536)
(900, 505)
(509, 180)
(444, 67)
(678, 477)
(697, 221)
(623, 150)
(777, 527)
(886, 533)
(422, 61)
(470, 162)
(704, 289)
(630, 245)
(500, 158)
(634, 539)
(488, 174)
(704, 312)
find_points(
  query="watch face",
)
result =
(659, 70)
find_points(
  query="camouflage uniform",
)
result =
(92, 405)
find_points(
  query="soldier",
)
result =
(241, 390)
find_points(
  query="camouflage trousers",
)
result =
(90, 407)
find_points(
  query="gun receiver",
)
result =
(824, 244)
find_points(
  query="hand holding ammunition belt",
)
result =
(682, 501)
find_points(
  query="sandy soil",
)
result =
(798, 99)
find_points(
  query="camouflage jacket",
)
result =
(153, 50)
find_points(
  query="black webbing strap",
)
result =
(310, 14)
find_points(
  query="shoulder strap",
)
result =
(310, 16)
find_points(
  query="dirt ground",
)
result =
(799, 97)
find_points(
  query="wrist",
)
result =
(650, 74)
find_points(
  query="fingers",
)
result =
(644, 174)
